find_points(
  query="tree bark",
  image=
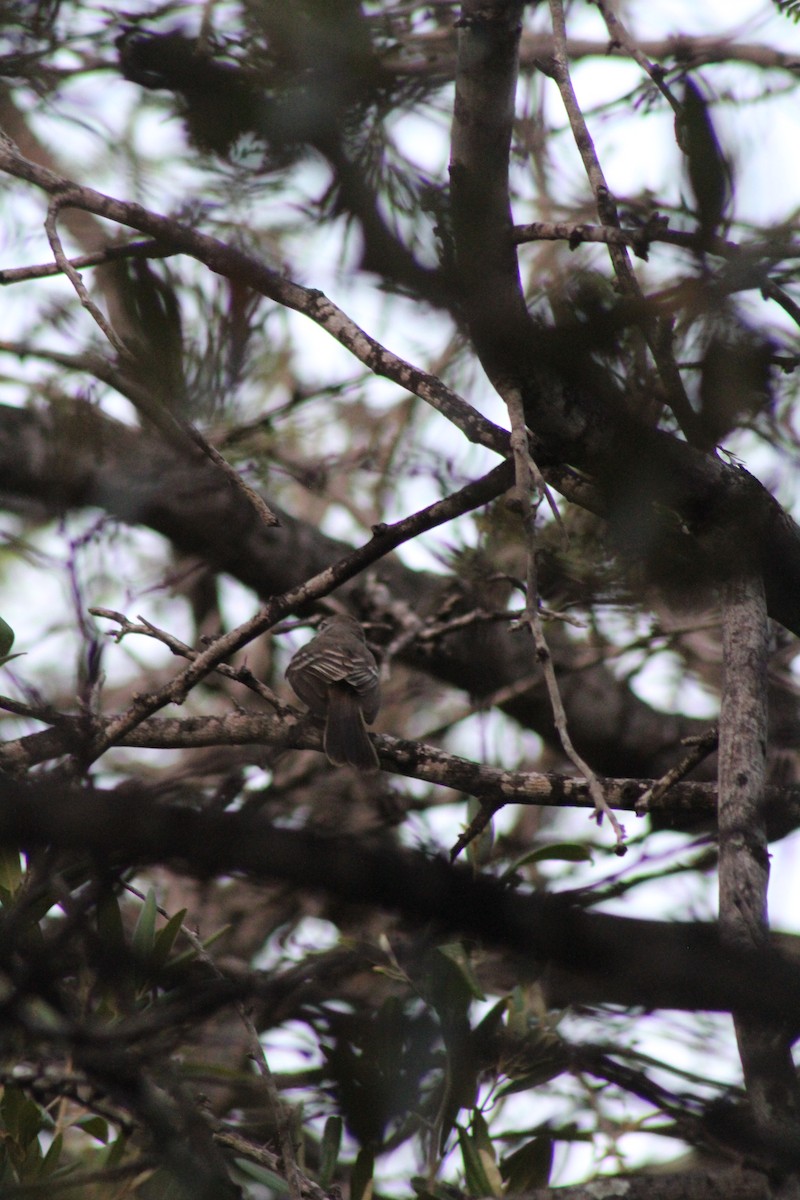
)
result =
(764, 1047)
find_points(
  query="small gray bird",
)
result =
(337, 677)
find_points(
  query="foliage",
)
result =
(789, 8)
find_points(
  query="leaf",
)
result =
(532, 1079)
(361, 1175)
(144, 935)
(260, 1174)
(529, 1167)
(329, 1150)
(115, 1152)
(481, 1175)
(483, 1139)
(96, 1127)
(455, 952)
(488, 1026)
(6, 637)
(109, 922)
(191, 953)
(22, 1117)
(11, 872)
(165, 939)
(788, 8)
(556, 852)
(50, 1162)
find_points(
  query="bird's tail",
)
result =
(346, 739)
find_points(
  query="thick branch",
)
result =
(594, 958)
(493, 786)
(436, 52)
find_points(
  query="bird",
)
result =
(337, 676)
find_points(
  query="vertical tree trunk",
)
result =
(764, 1049)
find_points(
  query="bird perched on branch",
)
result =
(337, 676)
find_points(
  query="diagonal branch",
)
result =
(385, 539)
(232, 263)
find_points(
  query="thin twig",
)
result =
(244, 1148)
(97, 258)
(620, 35)
(701, 747)
(655, 337)
(51, 228)
(559, 714)
(264, 512)
(526, 476)
(241, 675)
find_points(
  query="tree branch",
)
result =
(232, 263)
(385, 539)
(74, 456)
(594, 958)
(495, 787)
(764, 1048)
(687, 517)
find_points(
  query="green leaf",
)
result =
(455, 952)
(144, 935)
(554, 852)
(165, 939)
(361, 1175)
(22, 1117)
(11, 872)
(488, 1026)
(50, 1162)
(6, 637)
(529, 1167)
(329, 1150)
(109, 922)
(190, 954)
(116, 1151)
(260, 1174)
(545, 1059)
(96, 1127)
(483, 1140)
(478, 1173)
